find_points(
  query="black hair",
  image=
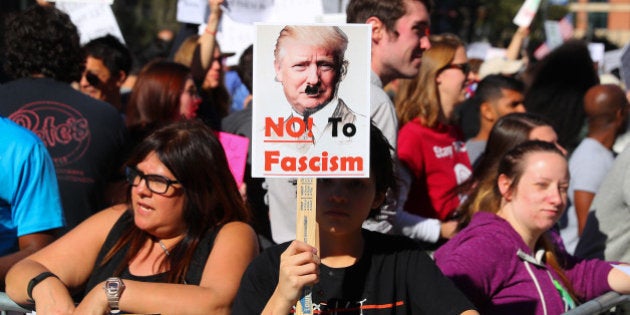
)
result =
(43, 41)
(114, 54)
(560, 81)
(245, 67)
(382, 166)
(490, 87)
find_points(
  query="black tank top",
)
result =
(101, 273)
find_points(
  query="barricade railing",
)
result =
(7, 305)
(595, 306)
(601, 304)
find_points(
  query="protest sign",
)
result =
(93, 20)
(526, 13)
(109, 2)
(192, 11)
(311, 109)
(235, 148)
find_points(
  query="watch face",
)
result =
(112, 286)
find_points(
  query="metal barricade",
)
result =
(7, 305)
(601, 304)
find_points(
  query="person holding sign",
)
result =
(354, 269)
(310, 65)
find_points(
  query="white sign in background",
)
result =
(237, 30)
(526, 13)
(110, 2)
(192, 11)
(93, 20)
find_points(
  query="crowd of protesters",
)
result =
(493, 189)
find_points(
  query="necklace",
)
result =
(164, 248)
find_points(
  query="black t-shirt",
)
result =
(392, 277)
(84, 136)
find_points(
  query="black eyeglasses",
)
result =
(464, 67)
(156, 183)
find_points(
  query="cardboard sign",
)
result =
(307, 232)
(235, 148)
(331, 138)
(93, 20)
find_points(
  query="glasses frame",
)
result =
(463, 67)
(131, 173)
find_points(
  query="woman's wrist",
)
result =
(277, 305)
(36, 281)
(210, 31)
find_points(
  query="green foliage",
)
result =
(140, 20)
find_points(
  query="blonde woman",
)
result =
(430, 148)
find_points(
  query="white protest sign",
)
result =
(235, 37)
(597, 53)
(526, 13)
(612, 60)
(93, 20)
(332, 140)
(331, 18)
(477, 50)
(249, 11)
(110, 2)
(553, 34)
(236, 33)
(296, 11)
(192, 11)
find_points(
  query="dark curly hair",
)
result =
(42, 41)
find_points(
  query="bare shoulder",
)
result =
(236, 229)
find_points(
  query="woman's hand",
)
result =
(215, 5)
(52, 297)
(95, 302)
(299, 267)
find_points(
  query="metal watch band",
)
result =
(114, 287)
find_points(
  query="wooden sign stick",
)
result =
(306, 231)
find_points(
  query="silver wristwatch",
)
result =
(113, 289)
